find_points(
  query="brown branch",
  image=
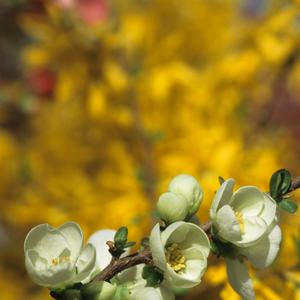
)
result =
(118, 265)
(295, 184)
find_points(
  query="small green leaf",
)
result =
(221, 180)
(129, 244)
(120, 237)
(280, 183)
(152, 275)
(288, 206)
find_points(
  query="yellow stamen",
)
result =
(55, 261)
(240, 219)
(175, 258)
(59, 260)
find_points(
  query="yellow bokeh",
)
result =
(154, 89)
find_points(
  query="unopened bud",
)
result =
(188, 187)
(172, 207)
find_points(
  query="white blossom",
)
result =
(247, 219)
(55, 257)
(180, 252)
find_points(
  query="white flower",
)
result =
(181, 252)
(247, 219)
(55, 258)
(172, 207)
(188, 187)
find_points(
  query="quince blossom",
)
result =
(247, 219)
(55, 257)
(181, 252)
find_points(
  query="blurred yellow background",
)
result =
(102, 102)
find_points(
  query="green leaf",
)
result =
(221, 180)
(152, 275)
(129, 244)
(288, 206)
(280, 183)
(120, 237)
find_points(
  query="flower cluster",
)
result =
(244, 226)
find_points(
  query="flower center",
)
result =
(240, 219)
(175, 258)
(59, 260)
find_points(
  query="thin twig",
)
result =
(118, 265)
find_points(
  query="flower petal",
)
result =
(158, 248)
(254, 229)
(47, 241)
(188, 187)
(239, 279)
(85, 263)
(34, 263)
(248, 200)
(188, 278)
(74, 237)
(228, 226)
(263, 253)
(151, 293)
(98, 240)
(268, 214)
(186, 235)
(222, 196)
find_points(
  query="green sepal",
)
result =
(221, 248)
(155, 214)
(122, 293)
(91, 289)
(280, 183)
(56, 294)
(288, 205)
(152, 276)
(120, 237)
(72, 294)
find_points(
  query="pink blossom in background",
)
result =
(91, 11)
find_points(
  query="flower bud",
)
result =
(172, 207)
(188, 187)
(98, 290)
